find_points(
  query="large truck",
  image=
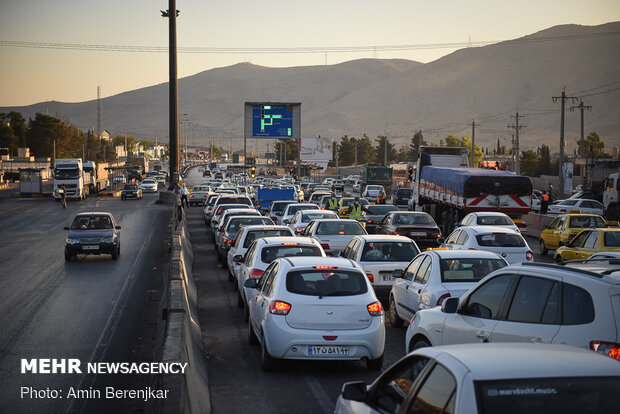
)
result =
(448, 189)
(377, 175)
(265, 195)
(69, 172)
(140, 167)
(611, 196)
(96, 176)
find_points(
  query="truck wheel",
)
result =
(543, 248)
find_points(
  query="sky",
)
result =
(36, 74)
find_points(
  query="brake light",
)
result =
(277, 307)
(529, 256)
(255, 273)
(325, 267)
(370, 221)
(290, 244)
(610, 349)
(299, 230)
(229, 242)
(325, 246)
(371, 278)
(438, 235)
(442, 298)
(375, 309)
(344, 213)
(330, 338)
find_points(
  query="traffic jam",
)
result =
(321, 268)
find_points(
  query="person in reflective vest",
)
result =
(332, 204)
(354, 212)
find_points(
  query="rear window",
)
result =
(278, 207)
(307, 218)
(295, 209)
(584, 222)
(404, 192)
(413, 219)
(612, 239)
(236, 223)
(494, 221)
(235, 200)
(500, 240)
(468, 270)
(269, 254)
(549, 395)
(257, 234)
(326, 282)
(347, 202)
(389, 252)
(340, 228)
(381, 210)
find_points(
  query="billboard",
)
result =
(316, 149)
(272, 120)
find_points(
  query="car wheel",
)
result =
(558, 259)
(68, 257)
(393, 317)
(246, 313)
(252, 339)
(230, 277)
(240, 302)
(543, 248)
(115, 253)
(422, 343)
(268, 363)
(374, 364)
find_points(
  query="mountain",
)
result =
(396, 97)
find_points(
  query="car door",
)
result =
(590, 246)
(478, 312)
(382, 227)
(574, 249)
(551, 235)
(259, 304)
(401, 287)
(534, 312)
(419, 282)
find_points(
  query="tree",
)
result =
(292, 149)
(346, 151)
(544, 163)
(120, 140)
(594, 146)
(365, 151)
(380, 151)
(417, 141)
(453, 141)
(404, 154)
(529, 163)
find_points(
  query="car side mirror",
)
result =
(286, 221)
(117, 227)
(66, 228)
(250, 283)
(336, 253)
(398, 273)
(238, 258)
(441, 240)
(355, 391)
(450, 305)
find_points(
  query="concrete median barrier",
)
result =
(536, 223)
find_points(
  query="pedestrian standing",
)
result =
(544, 203)
(63, 195)
(184, 196)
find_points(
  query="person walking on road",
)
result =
(354, 212)
(184, 196)
(63, 196)
(332, 204)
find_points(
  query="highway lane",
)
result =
(53, 309)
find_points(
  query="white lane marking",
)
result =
(319, 394)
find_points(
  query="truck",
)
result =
(611, 199)
(140, 167)
(265, 195)
(96, 176)
(447, 189)
(377, 175)
(69, 172)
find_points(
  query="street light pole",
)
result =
(171, 14)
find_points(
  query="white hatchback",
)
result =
(323, 309)
(489, 218)
(291, 209)
(507, 243)
(333, 234)
(302, 218)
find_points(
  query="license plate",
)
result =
(328, 350)
(388, 278)
(95, 247)
(418, 233)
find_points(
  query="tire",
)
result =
(393, 318)
(240, 302)
(543, 249)
(422, 343)
(115, 253)
(558, 259)
(268, 363)
(231, 278)
(252, 339)
(374, 364)
(246, 313)
(68, 257)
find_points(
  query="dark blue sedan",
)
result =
(93, 233)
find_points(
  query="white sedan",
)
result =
(507, 243)
(323, 309)
(489, 378)
(581, 205)
(302, 218)
(489, 218)
(333, 234)
(149, 185)
(291, 209)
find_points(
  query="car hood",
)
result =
(89, 234)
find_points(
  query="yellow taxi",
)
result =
(346, 202)
(565, 227)
(588, 242)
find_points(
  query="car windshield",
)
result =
(326, 282)
(549, 395)
(584, 222)
(271, 253)
(381, 210)
(258, 234)
(612, 239)
(340, 228)
(494, 221)
(413, 218)
(307, 218)
(389, 252)
(294, 209)
(569, 202)
(500, 240)
(468, 269)
(92, 222)
(374, 188)
(237, 222)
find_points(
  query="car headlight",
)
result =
(109, 239)
(73, 241)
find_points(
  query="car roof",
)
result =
(609, 274)
(289, 239)
(495, 361)
(383, 238)
(489, 213)
(94, 213)
(311, 261)
(329, 220)
(463, 254)
(266, 226)
(489, 229)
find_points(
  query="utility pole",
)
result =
(582, 108)
(473, 141)
(355, 153)
(385, 151)
(173, 97)
(515, 143)
(563, 99)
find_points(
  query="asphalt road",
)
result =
(93, 308)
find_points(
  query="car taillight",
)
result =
(610, 349)
(325, 246)
(277, 307)
(255, 273)
(274, 218)
(529, 256)
(375, 309)
(367, 193)
(330, 337)
(442, 298)
(229, 242)
(299, 230)
(371, 277)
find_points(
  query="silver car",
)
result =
(302, 218)
(333, 234)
